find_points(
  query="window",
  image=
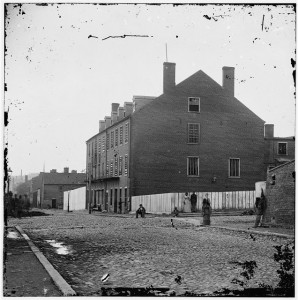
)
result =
(112, 139)
(116, 166)
(282, 148)
(125, 164)
(121, 135)
(126, 133)
(234, 167)
(194, 104)
(107, 169)
(99, 145)
(108, 141)
(120, 165)
(103, 144)
(116, 137)
(192, 166)
(193, 133)
(111, 168)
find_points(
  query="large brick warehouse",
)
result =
(196, 136)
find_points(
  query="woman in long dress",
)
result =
(187, 204)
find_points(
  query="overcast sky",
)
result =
(60, 83)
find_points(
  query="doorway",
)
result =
(115, 200)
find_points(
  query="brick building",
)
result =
(47, 188)
(278, 150)
(280, 194)
(196, 136)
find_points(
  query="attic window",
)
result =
(194, 104)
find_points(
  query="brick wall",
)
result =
(159, 148)
(281, 195)
(54, 191)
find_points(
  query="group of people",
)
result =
(15, 206)
(190, 203)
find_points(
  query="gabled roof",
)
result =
(207, 87)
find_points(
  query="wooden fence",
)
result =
(165, 203)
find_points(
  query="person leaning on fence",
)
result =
(206, 212)
(141, 211)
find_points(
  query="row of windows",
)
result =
(115, 167)
(193, 166)
(115, 138)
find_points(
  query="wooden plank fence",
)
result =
(165, 203)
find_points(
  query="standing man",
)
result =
(193, 201)
(260, 207)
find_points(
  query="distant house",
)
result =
(48, 188)
(280, 194)
(278, 150)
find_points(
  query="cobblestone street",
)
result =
(150, 251)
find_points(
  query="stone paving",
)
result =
(150, 251)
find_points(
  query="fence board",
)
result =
(165, 203)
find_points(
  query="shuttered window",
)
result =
(193, 166)
(234, 167)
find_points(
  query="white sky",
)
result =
(61, 83)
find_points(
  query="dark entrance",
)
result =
(54, 203)
(120, 200)
(115, 200)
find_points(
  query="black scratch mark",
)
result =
(263, 22)
(92, 36)
(125, 35)
(207, 17)
(293, 63)
(6, 118)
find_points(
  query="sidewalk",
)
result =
(24, 275)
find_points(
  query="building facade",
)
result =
(47, 188)
(196, 136)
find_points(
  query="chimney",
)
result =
(53, 171)
(102, 125)
(140, 101)
(120, 113)
(228, 79)
(128, 108)
(114, 112)
(168, 77)
(74, 171)
(107, 122)
(269, 131)
(66, 170)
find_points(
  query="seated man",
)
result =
(140, 211)
(176, 212)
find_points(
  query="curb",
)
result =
(60, 282)
(280, 235)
